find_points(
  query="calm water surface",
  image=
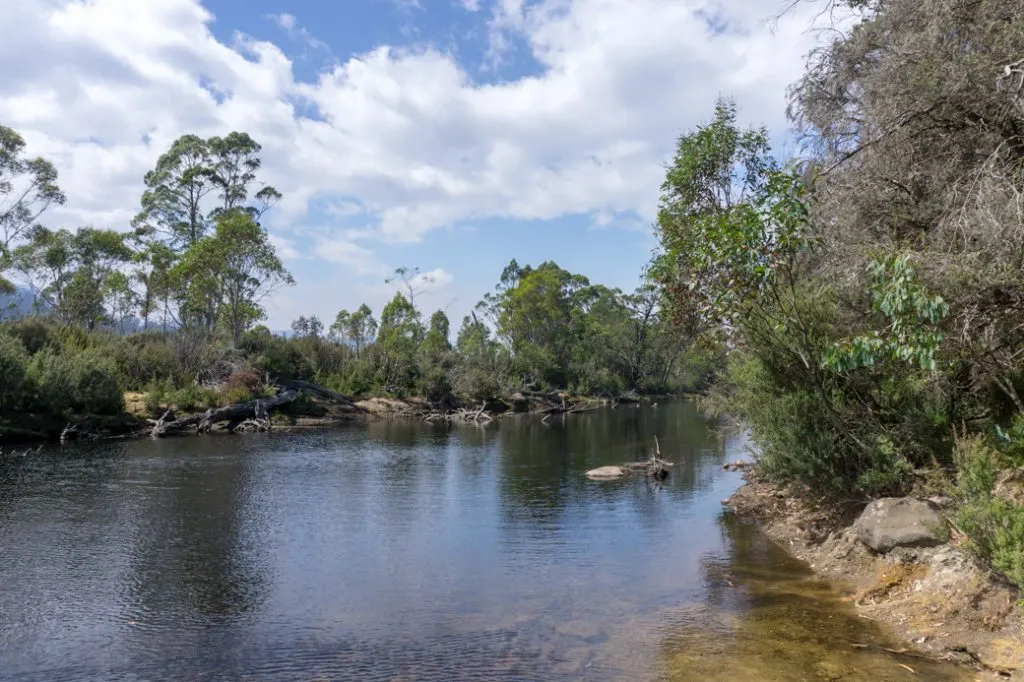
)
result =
(404, 551)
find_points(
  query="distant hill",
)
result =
(20, 304)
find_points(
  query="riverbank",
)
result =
(938, 600)
(315, 407)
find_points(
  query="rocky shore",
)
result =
(901, 564)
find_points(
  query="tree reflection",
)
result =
(543, 465)
(198, 553)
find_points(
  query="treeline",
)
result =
(542, 328)
(169, 309)
(871, 292)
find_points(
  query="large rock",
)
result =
(901, 522)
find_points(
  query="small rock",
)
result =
(738, 465)
(901, 522)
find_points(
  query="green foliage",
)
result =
(197, 266)
(225, 276)
(398, 339)
(912, 318)
(34, 333)
(358, 328)
(68, 383)
(14, 361)
(144, 358)
(28, 187)
(158, 397)
(994, 525)
(834, 407)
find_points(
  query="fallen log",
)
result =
(655, 467)
(347, 403)
(235, 414)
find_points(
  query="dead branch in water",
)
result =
(462, 415)
(655, 467)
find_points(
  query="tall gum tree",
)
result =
(28, 187)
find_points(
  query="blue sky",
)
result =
(448, 135)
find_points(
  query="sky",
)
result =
(445, 135)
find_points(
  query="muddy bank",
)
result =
(937, 600)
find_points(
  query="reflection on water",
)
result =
(402, 551)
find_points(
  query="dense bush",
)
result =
(992, 519)
(14, 361)
(34, 333)
(144, 358)
(66, 383)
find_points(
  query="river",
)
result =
(405, 551)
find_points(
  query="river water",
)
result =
(405, 551)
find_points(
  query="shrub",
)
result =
(247, 379)
(195, 399)
(994, 525)
(34, 333)
(14, 361)
(84, 382)
(799, 439)
(358, 380)
(194, 351)
(157, 396)
(282, 361)
(96, 387)
(436, 385)
(476, 383)
(145, 358)
(238, 394)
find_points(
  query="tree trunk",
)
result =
(348, 403)
(232, 413)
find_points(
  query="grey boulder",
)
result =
(901, 522)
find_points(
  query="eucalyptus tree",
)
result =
(28, 187)
(227, 275)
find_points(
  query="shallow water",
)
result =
(404, 551)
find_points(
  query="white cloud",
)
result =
(284, 20)
(290, 25)
(434, 280)
(359, 259)
(404, 139)
(470, 5)
(285, 247)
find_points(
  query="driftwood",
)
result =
(254, 413)
(655, 467)
(464, 415)
(70, 432)
(571, 408)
